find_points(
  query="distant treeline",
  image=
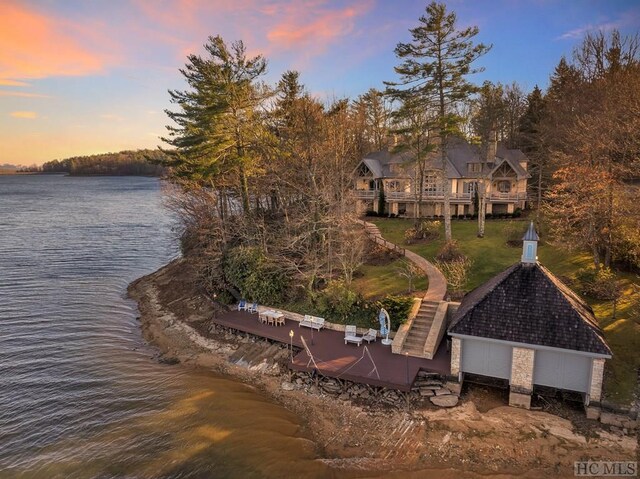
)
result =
(124, 163)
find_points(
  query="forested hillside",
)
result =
(123, 163)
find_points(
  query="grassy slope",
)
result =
(491, 255)
(378, 281)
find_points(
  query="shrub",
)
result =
(488, 216)
(599, 285)
(248, 270)
(428, 230)
(398, 308)
(513, 233)
(370, 213)
(456, 272)
(517, 213)
(409, 235)
(337, 299)
(450, 252)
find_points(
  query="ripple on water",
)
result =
(80, 392)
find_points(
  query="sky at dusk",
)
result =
(91, 76)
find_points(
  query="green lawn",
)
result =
(491, 255)
(377, 281)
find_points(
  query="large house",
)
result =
(503, 171)
(528, 328)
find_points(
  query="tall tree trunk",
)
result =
(539, 200)
(447, 197)
(481, 209)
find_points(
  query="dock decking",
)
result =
(376, 365)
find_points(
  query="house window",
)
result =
(363, 170)
(393, 185)
(430, 184)
(469, 187)
(474, 167)
(372, 185)
(504, 186)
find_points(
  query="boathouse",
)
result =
(527, 327)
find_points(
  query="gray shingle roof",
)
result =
(527, 304)
(459, 153)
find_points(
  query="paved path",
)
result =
(437, 282)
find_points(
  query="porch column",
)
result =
(460, 209)
(522, 363)
(597, 372)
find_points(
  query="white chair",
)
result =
(253, 308)
(242, 305)
(370, 335)
(351, 335)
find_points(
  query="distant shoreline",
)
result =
(62, 173)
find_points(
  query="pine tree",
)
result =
(434, 69)
(217, 119)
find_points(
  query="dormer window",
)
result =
(363, 170)
(474, 167)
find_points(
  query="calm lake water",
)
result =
(81, 394)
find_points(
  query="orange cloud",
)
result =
(22, 94)
(24, 114)
(36, 45)
(12, 83)
(314, 29)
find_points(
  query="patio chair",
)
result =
(253, 308)
(242, 305)
(370, 335)
(351, 336)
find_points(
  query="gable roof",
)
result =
(527, 304)
(459, 153)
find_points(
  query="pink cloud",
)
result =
(39, 45)
(301, 28)
(314, 29)
(22, 94)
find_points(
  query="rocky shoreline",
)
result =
(372, 429)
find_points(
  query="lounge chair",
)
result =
(370, 335)
(351, 335)
(253, 308)
(242, 305)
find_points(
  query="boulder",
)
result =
(287, 386)
(449, 400)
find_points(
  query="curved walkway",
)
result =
(437, 282)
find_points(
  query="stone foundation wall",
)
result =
(456, 352)
(597, 372)
(522, 361)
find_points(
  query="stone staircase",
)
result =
(416, 337)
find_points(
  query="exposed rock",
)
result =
(424, 392)
(442, 392)
(287, 386)
(445, 401)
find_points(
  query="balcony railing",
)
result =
(426, 196)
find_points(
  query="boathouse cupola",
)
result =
(530, 245)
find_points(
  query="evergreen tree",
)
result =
(533, 141)
(218, 123)
(434, 68)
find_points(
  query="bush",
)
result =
(517, 213)
(248, 270)
(513, 233)
(398, 308)
(488, 216)
(450, 252)
(426, 230)
(370, 213)
(599, 285)
(337, 299)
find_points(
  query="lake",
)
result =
(81, 394)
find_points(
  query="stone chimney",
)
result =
(492, 147)
(530, 246)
